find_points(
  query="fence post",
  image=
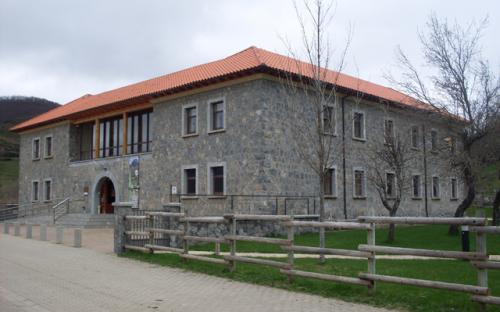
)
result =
(290, 237)
(371, 260)
(77, 239)
(17, 229)
(59, 234)
(43, 232)
(121, 210)
(151, 233)
(481, 248)
(232, 229)
(29, 230)
(185, 243)
(6, 228)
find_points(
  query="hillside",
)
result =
(15, 109)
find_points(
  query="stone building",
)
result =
(215, 130)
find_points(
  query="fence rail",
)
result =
(146, 228)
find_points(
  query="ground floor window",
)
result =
(359, 183)
(416, 186)
(330, 182)
(454, 188)
(217, 179)
(190, 183)
(435, 188)
(35, 187)
(390, 185)
(47, 190)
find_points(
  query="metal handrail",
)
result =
(55, 214)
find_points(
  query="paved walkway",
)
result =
(43, 276)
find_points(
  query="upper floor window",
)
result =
(36, 148)
(110, 137)
(389, 133)
(359, 125)
(190, 120)
(85, 141)
(139, 132)
(359, 183)
(330, 184)
(35, 190)
(190, 176)
(47, 190)
(328, 119)
(452, 141)
(48, 146)
(434, 140)
(436, 191)
(454, 188)
(416, 187)
(216, 115)
(390, 186)
(217, 177)
(414, 137)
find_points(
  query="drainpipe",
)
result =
(426, 203)
(344, 191)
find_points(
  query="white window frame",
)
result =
(33, 148)
(210, 114)
(363, 125)
(45, 155)
(184, 119)
(33, 191)
(393, 128)
(211, 165)
(417, 146)
(363, 187)
(334, 180)
(434, 148)
(451, 188)
(51, 190)
(334, 133)
(419, 186)
(184, 180)
(438, 188)
(394, 185)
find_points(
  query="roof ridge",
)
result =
(256, 52)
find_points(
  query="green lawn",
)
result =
(9, 170)
(428, 237)
(387, 295)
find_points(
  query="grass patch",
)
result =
(426, 236)
(9, 171)
(387, 295)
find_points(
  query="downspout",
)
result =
(425, 172)
(344, 191)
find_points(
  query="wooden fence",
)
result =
(148, 232)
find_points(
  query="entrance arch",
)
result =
(105, 194)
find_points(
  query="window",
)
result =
(190, 120)
(389, 131)
(110, 137)
(36, 148)
(86, 141)
(453, 145)
(359, 183)
(35, 190)
(331, 182)
(359, 125)
(48, 146)
(416, 186)
(414, 137)
(190, 177)
(47, 190)
(434, 141)
(454, 189)
(216, 118)
(217, 179)
(390, 184)
(139, 132)
(435, 188)
(328, 119)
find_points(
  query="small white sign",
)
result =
(174, 189)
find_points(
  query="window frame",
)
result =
(363, 183)
(184, 181)
(333, 184)
(137, 145)
(415, 146)
(393, 135)
(363, 125)
(419, 196)
(33, 200)
(210, 112)
(210, 179)
(438, 188)
(434, 143)
(45, 190)
(394, 189)
(45, 154)
(185, 108)
(454, 198)
(334, 119)
(33, 156)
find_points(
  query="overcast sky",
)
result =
(63, 49)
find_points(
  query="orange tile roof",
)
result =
(251, 60)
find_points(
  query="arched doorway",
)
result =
(106, 195)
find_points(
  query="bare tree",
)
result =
(462, 85)
(389, 163)
(311, 91)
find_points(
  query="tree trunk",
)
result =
(391, 236)
(471, 194)
(496, 209)
(322, 214)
